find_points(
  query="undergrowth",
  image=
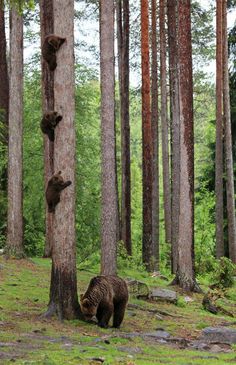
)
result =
(27, 339)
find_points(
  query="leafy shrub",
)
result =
(223, 273)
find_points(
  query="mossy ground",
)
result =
(27, 339)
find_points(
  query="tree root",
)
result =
(51, 311)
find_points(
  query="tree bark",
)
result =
(147, 248)
(15, 197)
(219, 168)
(109, 201)
(155, 133)
(63, 290)
(185, 276)
(125, 136)
(4, 81)
(119, 46)
(164, 126)
(4, 112)
(175, 128)
(123, 59)
(228, 144)
(47, 27)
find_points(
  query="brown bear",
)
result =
(55, 185)
(51, 45)
(105, 296)
(49, 123)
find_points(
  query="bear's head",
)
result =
(88, 309)
(56, 41)
(57, 179)
(53, 118)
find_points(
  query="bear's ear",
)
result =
(85, 303)
(47, 116)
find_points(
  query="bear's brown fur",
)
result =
(55, 185)
(49, 123)
(51, 45)
(105, 296)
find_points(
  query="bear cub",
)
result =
(105, 296)
(51, 45)
(49, 123)
(55, 185)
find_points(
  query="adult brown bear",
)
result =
(105, 296)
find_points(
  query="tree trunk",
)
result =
(63, 290)
(228, 144)
(175, 128)
(154, 120)
(219, 135)
(4, 82)
(4, 112)
(109, 201)
(185, 276)
(123, 59)
(164, 126)
(46, 21)
(147, 249)
(15, 199)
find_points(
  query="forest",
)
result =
(117, 193)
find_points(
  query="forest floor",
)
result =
(151, 333)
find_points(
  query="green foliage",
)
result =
(33, 184)
(223, 273)
(20, 5)
(125, 261)
(204, 231)
(202, 34)
(231, 4)
(88, 186)
(181, 303)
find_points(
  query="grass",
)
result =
(27, 339)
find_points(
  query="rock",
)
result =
(131, 314)
(159, 317)
(98, 359)
(200, 346)
(157, 274)
(215, 349)
(219, 335)
(157, 334)
(130, 350)
(188, 299)
(138, 289)
(165, 295)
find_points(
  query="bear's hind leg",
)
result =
(119, 312)
(51, 135)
